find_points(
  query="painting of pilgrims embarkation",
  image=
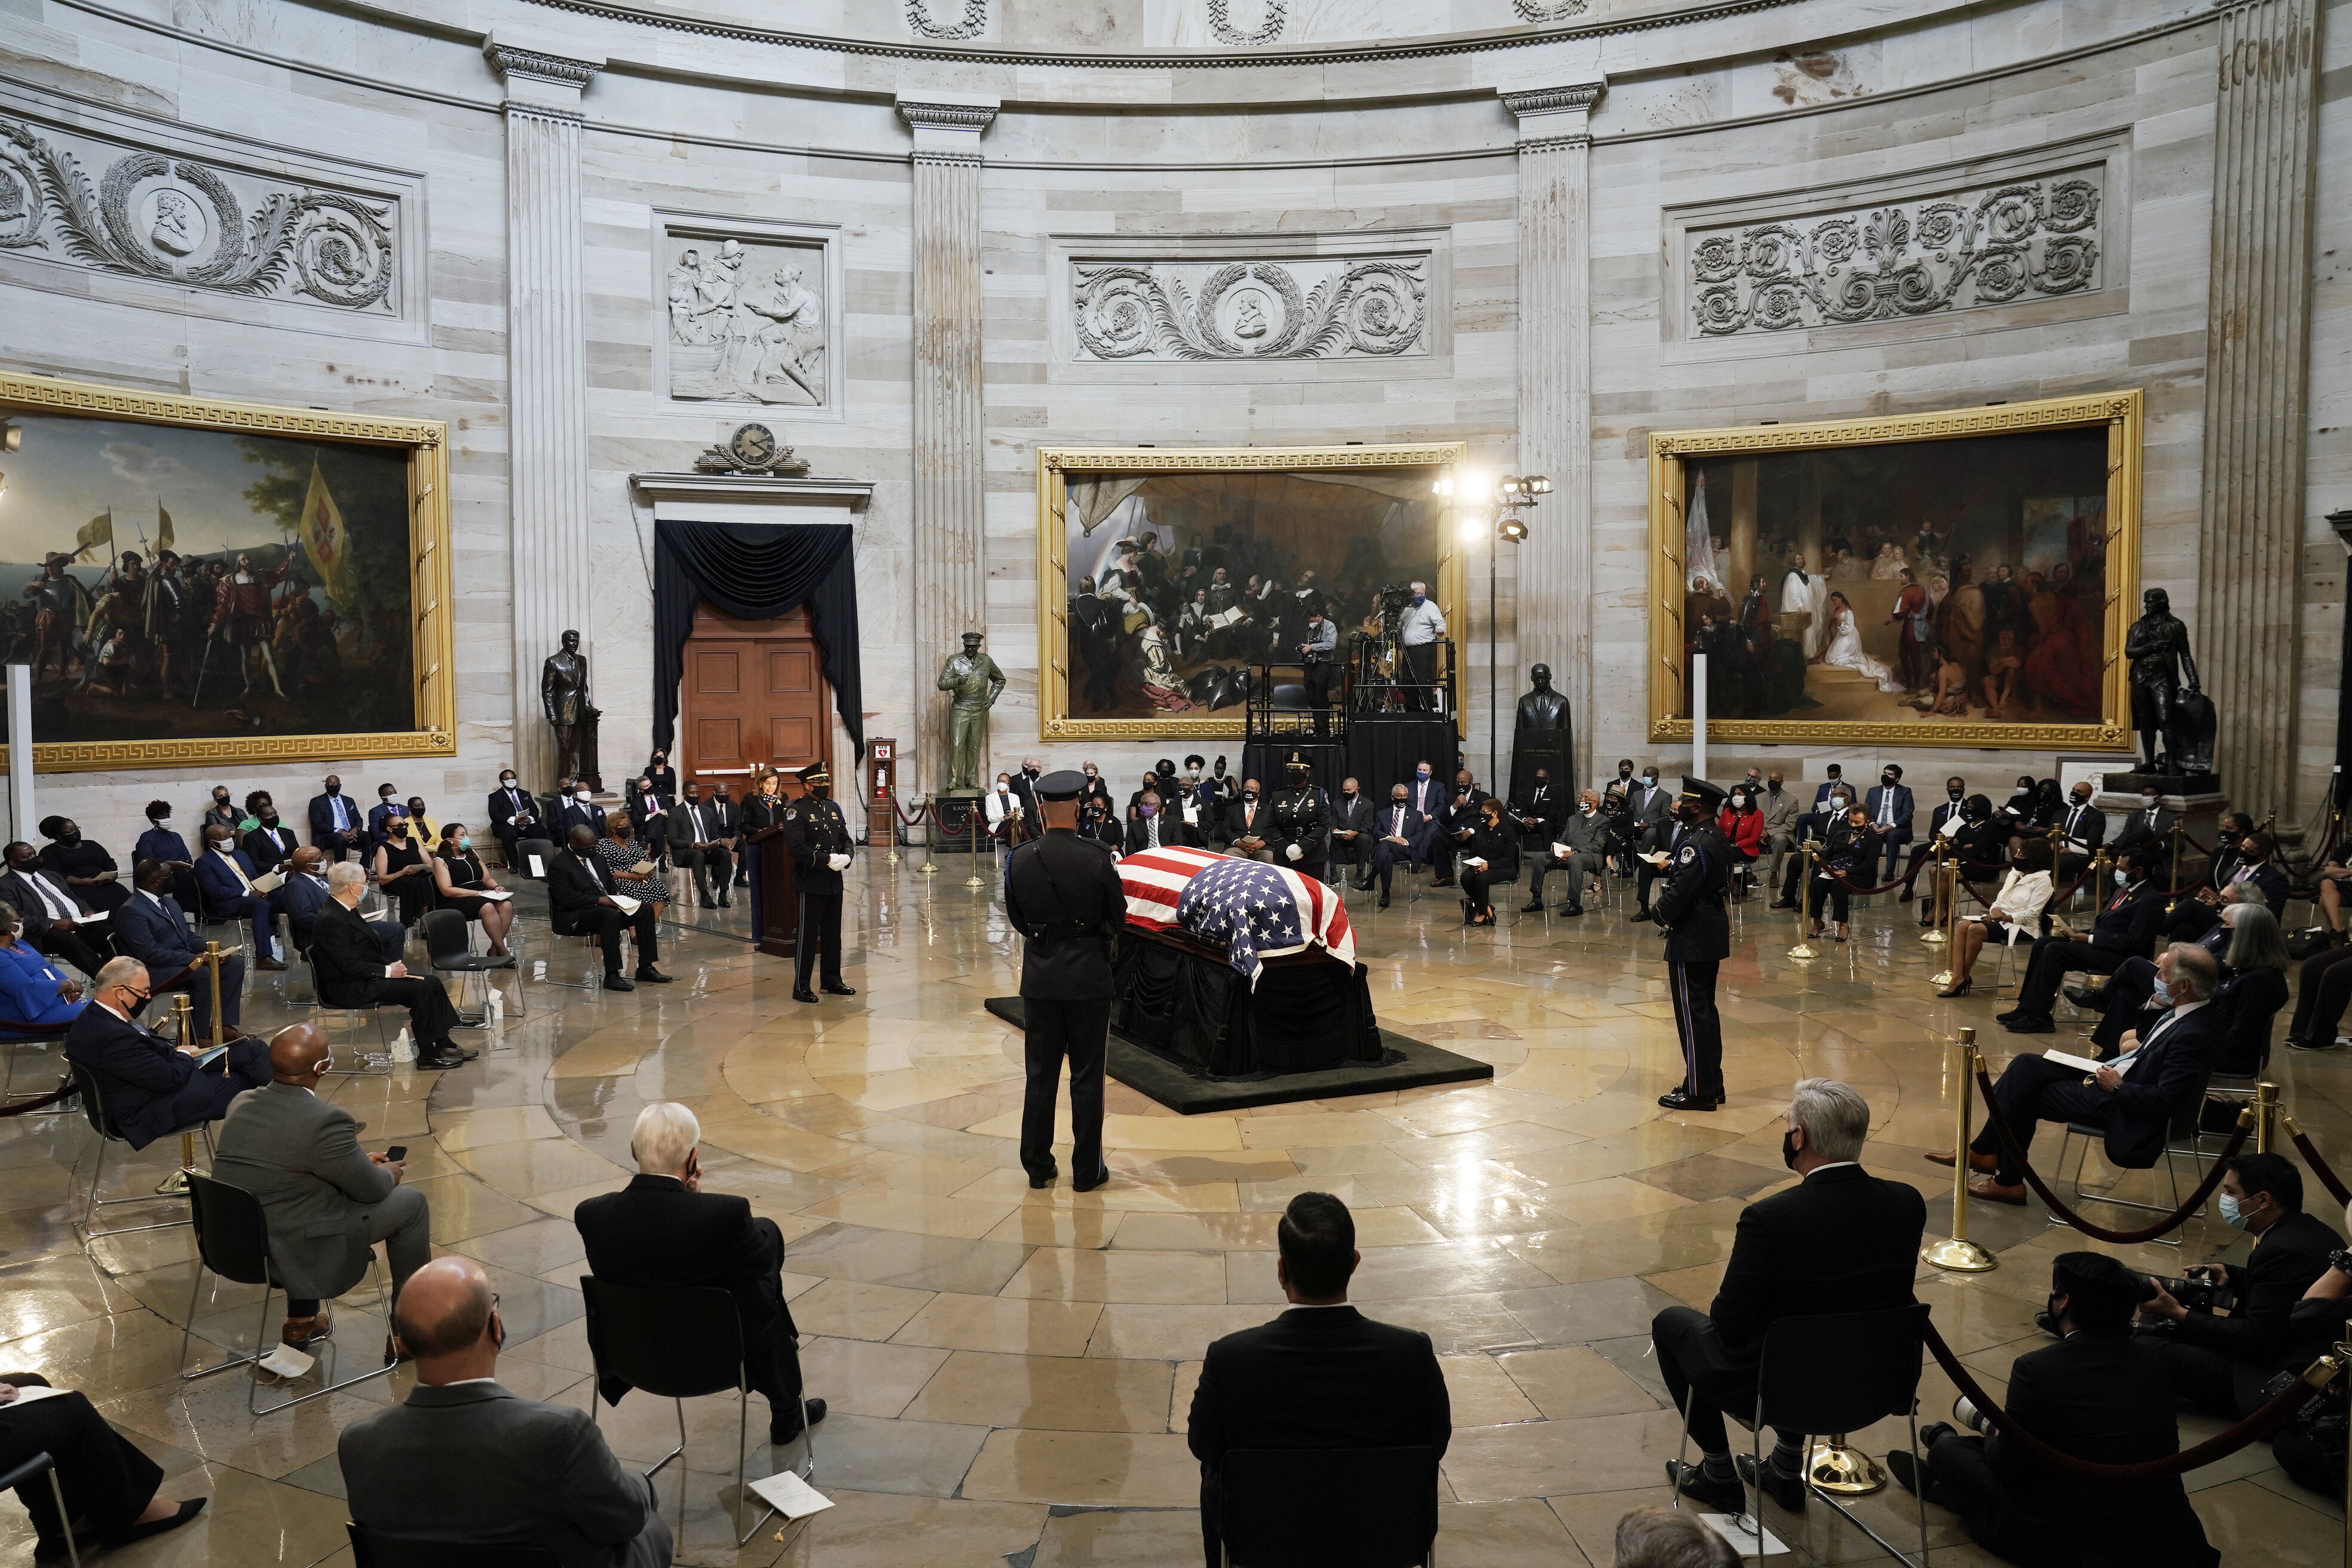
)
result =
(170, 583)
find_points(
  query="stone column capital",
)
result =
(947, 126)
(1551, 116)
(538, 80)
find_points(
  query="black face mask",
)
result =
(820, 792)
(1789, 1148)
(1249, 794)
(268, 817)
(1954, 794)
(1887, 779)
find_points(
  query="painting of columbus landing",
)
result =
(1945, 578)
(183, 591)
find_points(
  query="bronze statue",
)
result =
(563, 697)
(1543, 737)
(976, 683)
(2165, 699)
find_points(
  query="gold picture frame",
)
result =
(2120, 412)
(432, 661)
(1055, 464)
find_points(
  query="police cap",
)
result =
(1699, 791)
(1062, 783)
(814, 773)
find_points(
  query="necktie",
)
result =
(57, 910)
(335, 804)
(1887, 808)
(243, 881)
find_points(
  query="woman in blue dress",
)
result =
(33, 991)
(162, 842)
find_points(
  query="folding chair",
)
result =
(372, 1064)
(374, 1549)
(23, 1476)
(2183, 1124)
(93, 1108)
(448, 939)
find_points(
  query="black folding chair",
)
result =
(374, 1549)
(371, 1064)
(93, 1108)
(2184, 1124)
(1373, 1507)
(525, 848)
(23, 1475)
(1835, 1373)
(233, 1242)
(679, 1343)
(449, 942)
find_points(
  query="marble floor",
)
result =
(1009, 1371)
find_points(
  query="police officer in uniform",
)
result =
(1301, 824)
(817, 837)
(1699, 938)
(1062, 893)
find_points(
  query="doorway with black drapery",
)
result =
(781, 599)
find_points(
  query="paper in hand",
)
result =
(1951, 829)
(268, 883)
(538, 868)
(642, 868)
(496, 895)
(625, 904)
(1560, 851)
(2121, 1063)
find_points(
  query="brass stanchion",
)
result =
(1834, 1466)
(1948, 877)
(183, 1012)
(1942, 899)
(926, 869)
(1804, 949)
(971, 815)
(2266, 1115)
(890, 799)
(212, 962)
(2173, 880)
(1957, 1254)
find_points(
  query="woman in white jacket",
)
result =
(2015, 911)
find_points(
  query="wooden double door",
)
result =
(755, 696)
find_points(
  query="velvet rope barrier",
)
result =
(2319, 1167)
(2008, 1144)
(2252, 1429)
(39, 1102)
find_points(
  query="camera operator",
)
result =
(2098, 1394)
(2311, 1446)
(2219, 1364)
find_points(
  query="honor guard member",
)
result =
(1699, 938)
(1301, 824)
(817, 837)
(1062, 893)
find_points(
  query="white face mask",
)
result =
(2122, 878)
(581, 795)
(163, 823)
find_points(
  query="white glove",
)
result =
(837, 862)
(1294, 852)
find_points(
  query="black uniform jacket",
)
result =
(814, 831)
(1063, 894)
(1691, 909)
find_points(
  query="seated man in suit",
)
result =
(1890, 807)
(1842, 1240)
(1399, 832)
(1457, 823)
(664, 1231)
(57, 923)
(149, 1086)
(326, 1202)
(347, 954)
(2150, 824)
(227, 877)
(577, 809)
(151, 929)
(335, 825)
(1586, 835)
(1352, 832)
(303, 894)
(2219, 1364)
(2098, 1394)
(581, 902)
(514, 814)
(697, 844)
(1781, 811)
(271, 844)
(1321, 1375)
(2124, 929)
(464, 1460)
(1152, 827)
(2133, 1099)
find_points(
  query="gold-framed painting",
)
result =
(1162, 570)
(200, 583)
(1962, 578)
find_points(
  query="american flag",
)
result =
(1155, 877)
(1262, 912)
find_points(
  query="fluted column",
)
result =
(951, 441)
(1555, 353)
(546, 377)
(2249, 545)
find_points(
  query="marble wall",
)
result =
(794, 146)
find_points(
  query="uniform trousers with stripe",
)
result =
(1700, 1027)
(819, 934)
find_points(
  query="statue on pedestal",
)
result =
(563, 697)
(1543, 737)
(976, 682)
(2165, 699)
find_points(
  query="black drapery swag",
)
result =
(757, 571)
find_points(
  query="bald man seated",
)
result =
(327, 1203)
(467, 1460)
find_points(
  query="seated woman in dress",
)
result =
(162, 842)
(1491, 855)
(622, 856)
(1852, 846)
(2025, 894)
(459, 880)
(34, 993)
(111, 1488)
(401, 870)
(1742, 823)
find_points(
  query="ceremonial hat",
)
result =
(1297, 760)
(1702, 793)
(1062, 783)
(814, 773)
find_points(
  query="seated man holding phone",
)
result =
(149, 1086)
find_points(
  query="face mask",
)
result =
(820, 792)
(1191, 773)
(163, 823)
(1147, 809)
(1650, 779)
(2120, 877)
(1624, 773)
(221, 799)
(1090, 773)
(2232, 1215)
(1886, 778)
(1419, 600)
(1347, 794)
(2022, 789)
(1589, 808)
(1789, 1148)
(71, 836)
(1249, 794)
(581, 795)
(2148, 803)
(1740, 802)
(506, 783)
(721, 793)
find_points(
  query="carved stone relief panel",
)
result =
(947, 21)
(1271, 17)
(1261, 308)
(748, 313)
(1550, 10)
(81, 199)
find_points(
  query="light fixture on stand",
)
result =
(1506, 503)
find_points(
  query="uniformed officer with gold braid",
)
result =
(817, 837)
(1302, 828)
(1699, 938)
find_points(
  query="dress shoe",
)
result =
(616, 982)
(1993, 1192)
(1361, 887)
(1571, 910)
(188, 1511)
(802, 993)
(1987, 1163)
(1532, 907)
(1038, 1182)
(2295, 1044)
(1445, 883)
(647, 974)
(1789, 1491)
(270, 965)
(725, 903)
(432, 1058)
(1959, 988)
(1783, 904)
(1906, 896)
(1090, 1186)
(2087, 996)
(304, 1332)
(1676, 1100)
(1384, 900)
(2029, 1023)
(393, 1354)
(1642, 916)
(461, 1052)
(835, 988)
(1691, 1481)
(1907, 1475)
(786, 1427)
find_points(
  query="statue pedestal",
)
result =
(2197, 798)
(952, 809)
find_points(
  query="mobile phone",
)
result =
(396, 1154)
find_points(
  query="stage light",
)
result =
(1538, 484)
(1444, 485)
(1513, 528)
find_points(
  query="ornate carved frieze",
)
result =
(2023, 239)
(80, 200)
(970, 24)
(1550, 10)
(1269, 28)
(1259, 309)
(746, 318)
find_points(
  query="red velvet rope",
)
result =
(39, 1102)
(2319, 1167)
(1999, 1125)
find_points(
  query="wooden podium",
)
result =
(776, 905)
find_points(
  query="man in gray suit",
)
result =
(1780, 812)
(327, 1203)
(466, 1460)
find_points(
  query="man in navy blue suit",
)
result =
(1399, 832)
(1889, 806)
(335, 821)
(149, 1086)
(153, 929)
(388, 800)
(2126, 927)
(304, 894)
(224, 874)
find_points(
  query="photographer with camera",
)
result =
(2098, 1394)
(2218, 1364)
